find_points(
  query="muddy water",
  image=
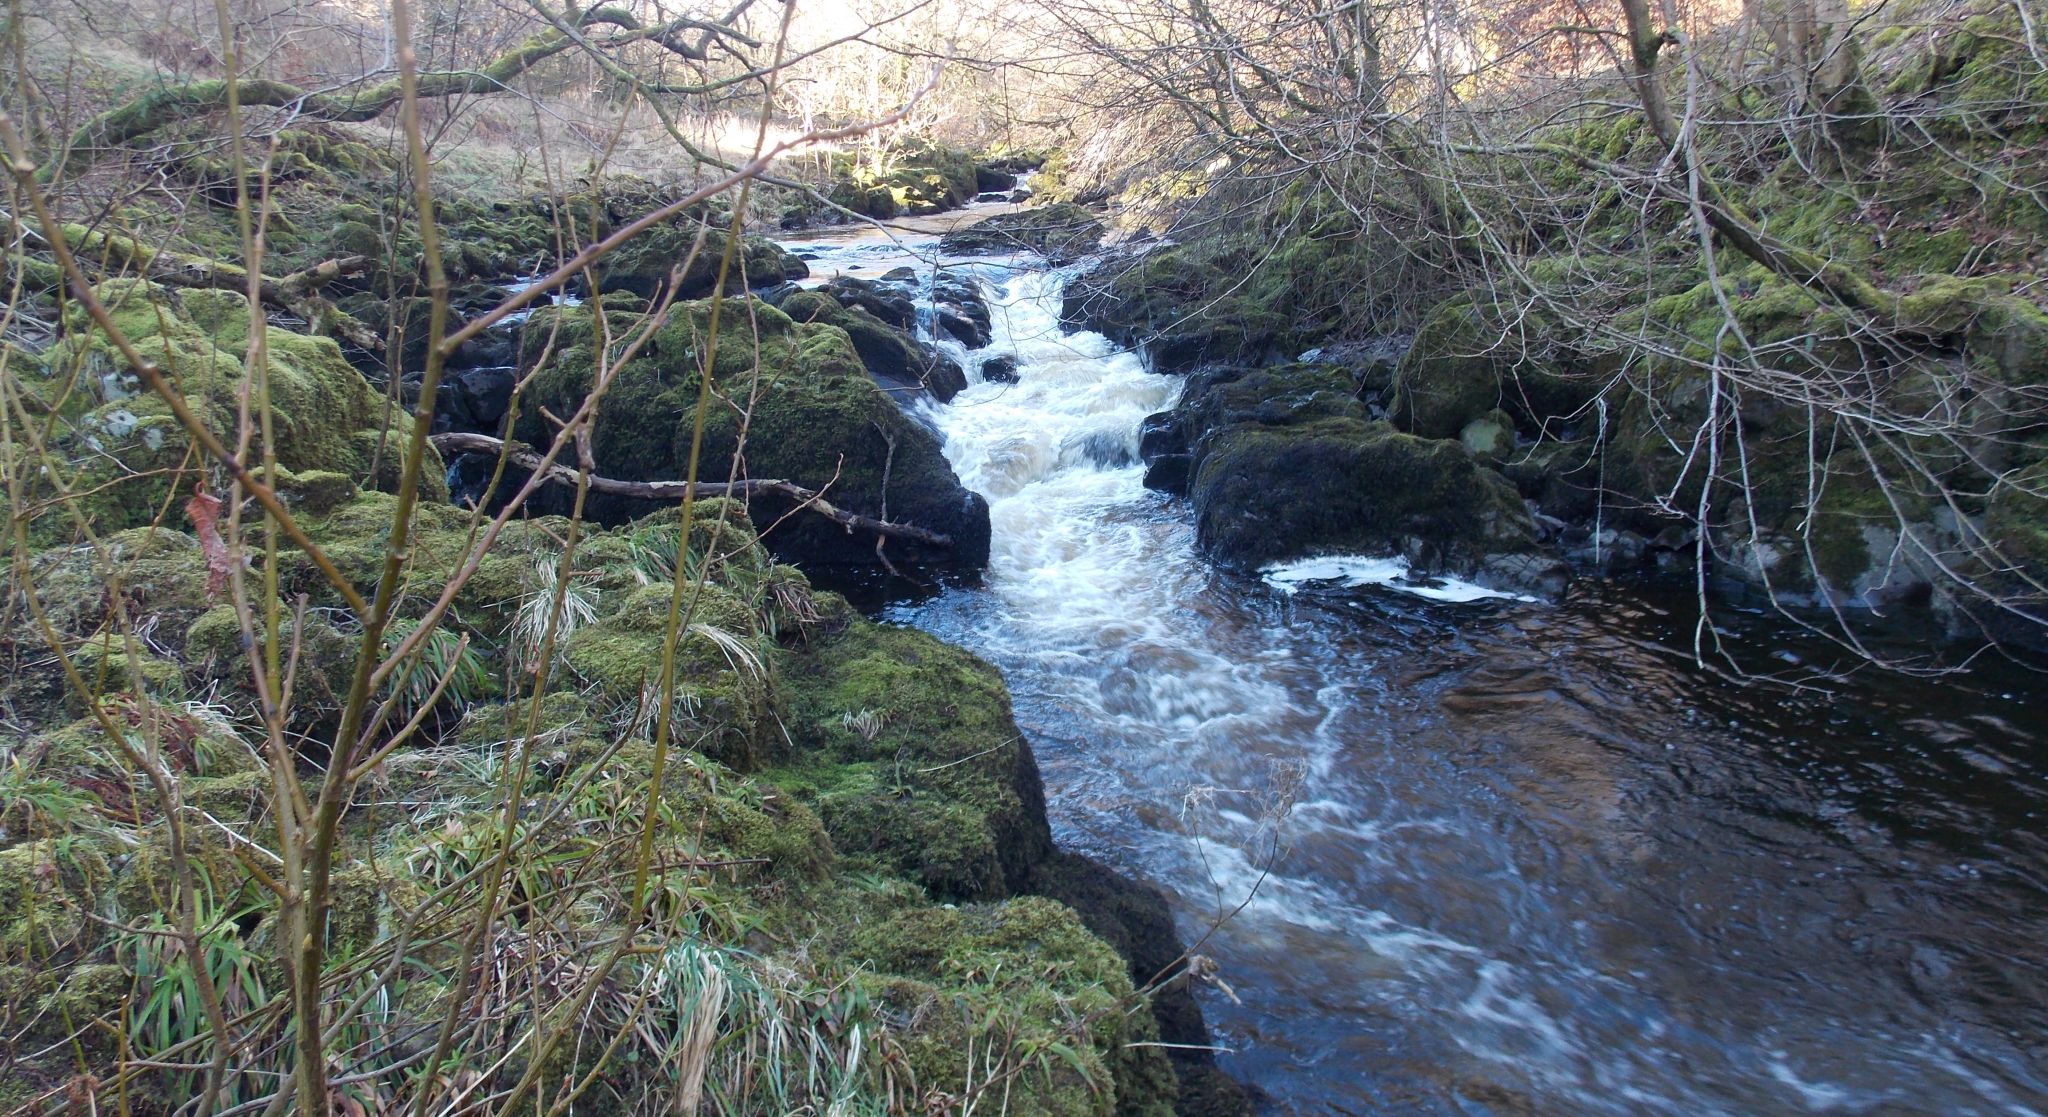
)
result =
(1489, 856)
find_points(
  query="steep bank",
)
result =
(850, 822)
(1660, 390)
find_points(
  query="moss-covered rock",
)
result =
(908, 748)
(646, 264)
(724, 701)
(816, 419)
(913, 178)
(902, 366)
(49, 892)
(1266, 494)
(132, 458)
(1466, 363)
(965, 973)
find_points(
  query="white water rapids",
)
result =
(1485, 856)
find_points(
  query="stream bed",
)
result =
(1458, 854)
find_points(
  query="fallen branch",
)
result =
(459, 442)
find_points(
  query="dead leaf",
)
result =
(204, 512)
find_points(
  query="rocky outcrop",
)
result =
(856, 819)
(809, 408)
(1283, 462)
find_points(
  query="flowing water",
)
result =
(1491, 856)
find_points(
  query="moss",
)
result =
(110, 668)
(2017, 519)
(820, 422)
(315, 491)
(920, 178)
(563, 715)
(644, 265)
(237, 800)
(724, 697)
(936, 782)
(354, 536)
(1466, 362)
(756, 830)
(134, 457)
(147, 880)
(47, 890)
(1490, 438)
(2005, 329)
(326, 656)
(1025, 967)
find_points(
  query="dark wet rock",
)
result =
(1163, 447)
(1060, 233)
(773, 296)
(1285, 462)
(1268, 494)
(888, 302)
(961, 311)
(989, 179)
(474, 399)
(490, 349)
(1000, 370)
(1133, 918)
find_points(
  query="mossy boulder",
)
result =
(134, 461)
(724, 701)
(913, 178)
(1469, 361)
(1266, 494)
(49, 892)
(1029, 964)
(902, 366)
(909, 751)
(1282, 462)
(1182, 306)
(645, 264)
(811, 414)
(716, 814)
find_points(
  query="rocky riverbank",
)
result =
(1611, 397)
(849, 807)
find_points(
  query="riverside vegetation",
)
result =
(417, 700)
(322, 792)
(1510, 354)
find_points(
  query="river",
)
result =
(1492, 856)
